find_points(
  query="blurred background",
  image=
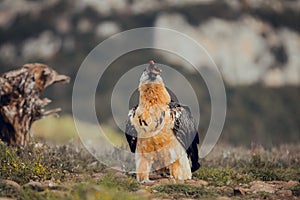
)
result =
(255, 44)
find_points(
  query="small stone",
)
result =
(259, 186)
(290, 184)
(143, 193)
(201, 182)
(197, 182)
(6, 198)
(226, 190)
(179, 181)
(97, 176)
(12, 183)
(284, 193)
(120, 175)
(50, 184)
(109, 170)
(35, 186)
(149, 183)
(164, 181)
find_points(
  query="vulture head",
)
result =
(151, 75)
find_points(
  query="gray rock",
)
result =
(259, 186)
(34, 185)
(12, 184)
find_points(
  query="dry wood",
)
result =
(20, 103)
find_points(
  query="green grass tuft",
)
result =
(222, 176)
(125, 184)
(184, 190)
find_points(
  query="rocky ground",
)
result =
(66, 172)
(160, 188)
(195, 189)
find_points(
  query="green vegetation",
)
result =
(184, 190)
(60, 164)
(251, 167)
(91, 191)
(75, 174)
(76, 191)
(22, 165)
(222, 176)
(262, 170)
(234, 176)
(128, 184)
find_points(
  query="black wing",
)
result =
(186, 132)
(130, 132)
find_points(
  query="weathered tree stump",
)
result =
(20, 103)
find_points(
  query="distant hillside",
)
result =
(255, 44)
(250, 41)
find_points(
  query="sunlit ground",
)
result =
(64, 169)
(62, 130)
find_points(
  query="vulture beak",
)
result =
(153, 70)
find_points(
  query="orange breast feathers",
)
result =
(152, 114)
(153, 120)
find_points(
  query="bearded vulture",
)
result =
(161, 132)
